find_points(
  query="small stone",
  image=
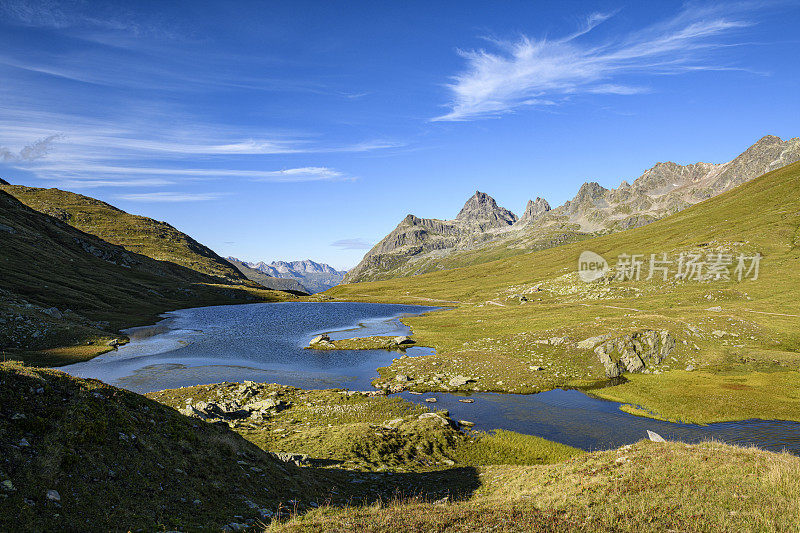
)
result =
(467, 400)
(402, 378)
(466, 423)
(536, 368)
(690, 368)
(53, 495)
(7, 485)
(716, 308)
(431, 400)
(23, 443)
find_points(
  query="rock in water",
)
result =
(318, 339)
(655, 437)
(405, 339)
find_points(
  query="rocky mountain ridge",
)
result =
(314, 277)
(483, 231)
(270, 282)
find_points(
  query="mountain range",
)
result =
(484, 231)
(271, 282)
(314, 277)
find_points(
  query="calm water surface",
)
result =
(264, 342)
(259, 342)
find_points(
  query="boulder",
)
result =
(640, 351)
(318, 339)
(53, 312)
(405, 339)
(298, 459)
(591, 342)
(402, 378)
(655, 437)
(53, 495)
(263, 405)
(632, 361)
(459, 381)
(436, 417)
(613, 370)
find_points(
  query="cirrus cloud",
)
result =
(172, 197)
(352, 244)
(544, 72)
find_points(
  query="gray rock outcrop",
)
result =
(635, 352)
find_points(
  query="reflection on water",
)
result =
(264, 342)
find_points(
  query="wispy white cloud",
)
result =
(30, 152)
(352, 244)
(96, 183)
(536, 72)
(85, 174)
(107, 154)
(172, 197)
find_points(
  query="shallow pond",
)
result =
(264, 342)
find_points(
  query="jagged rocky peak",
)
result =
(590, 190)
(534, 210)
(482, 207)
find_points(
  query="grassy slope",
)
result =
(365, 433)
(644, 487)
(138, 234)
(491, 336)
(121, 462)
(99, 288)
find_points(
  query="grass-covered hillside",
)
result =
(79, 455)
(64, 293)
(528, 323)
(647, 486)
(142, 235)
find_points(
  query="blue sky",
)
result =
(293, 130)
